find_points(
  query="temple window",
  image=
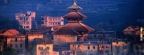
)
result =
(10, 45)
(41, 53)
(93, 47)
(15, 39)
(88, 47)
(16, 46)
(20, 45)
(106, 46)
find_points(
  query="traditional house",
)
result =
(31, 36)
(14, 39)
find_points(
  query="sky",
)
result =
(112, 13)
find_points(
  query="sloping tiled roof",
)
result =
(10, 32)
(66, 30)
(74, 7)
(74, 15)
(129, 29)
(73, 29)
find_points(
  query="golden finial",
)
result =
(75, 2)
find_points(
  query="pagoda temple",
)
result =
(74, 30)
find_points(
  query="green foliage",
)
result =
(9, 51)
(0, 52)
(31, 50)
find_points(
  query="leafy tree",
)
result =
(31, 50)
(0, 52)
(9, 51)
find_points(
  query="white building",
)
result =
(25, 19)
(52, 21)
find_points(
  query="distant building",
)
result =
(25, 19)
(14, 40)
(99, 35)
(99, 48)
(74, 30)
(44, 46)
(133, 31)
(90, 48)
(52, 21)
(17, 43)
(31, 36)
(84, 48)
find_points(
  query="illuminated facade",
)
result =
(31, 36)
(90, 48)
(52, 21)
(44, 47)
(99, 48)
(14, 40)
(25, 19)
(74, 30)
(83, 48)
(141, 34)
(17, 43)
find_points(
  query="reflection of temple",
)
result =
(74, 30)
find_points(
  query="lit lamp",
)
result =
(141, 34)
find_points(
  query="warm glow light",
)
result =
(141, 34)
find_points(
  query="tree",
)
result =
(9, 51)
(31, 50)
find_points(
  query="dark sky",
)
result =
(113, 12)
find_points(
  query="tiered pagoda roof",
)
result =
(74, 6)
(74, 16)
(74, 25)
(74, 29)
